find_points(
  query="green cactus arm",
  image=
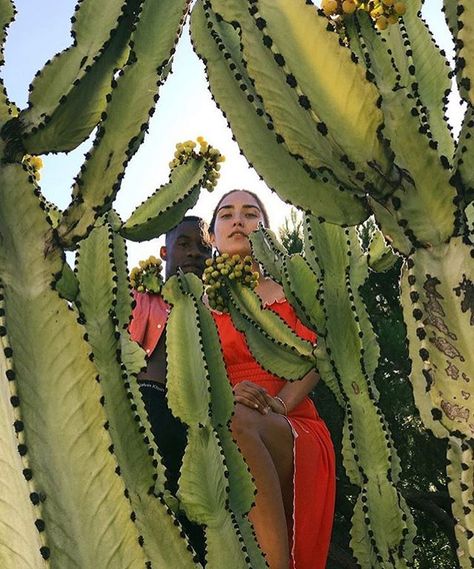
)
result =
(345, 123)
(168, 204)
(267, 335)
(369, 457)
(464, 30)
(222, 399)
(78, 113)
(203, 490)
(268, 251)
(464, 157)
(67, 285)
(90, 35)
(21, 543)
(302, 288)
(123, 296)
(424, 203)
(127, 116)
(7, 14)
(381, 257)
(432, 72)
(283, 72)
(138, 457)
(436, 294)
(188, 394)
(262, 146)
(460, 470)
(54, 373)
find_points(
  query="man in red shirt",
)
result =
(187, 248)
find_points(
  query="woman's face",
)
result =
(238, 215)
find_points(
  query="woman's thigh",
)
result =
(276, 434)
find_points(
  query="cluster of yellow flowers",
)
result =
(34, 165)
(383, 12)
(225, 267)
(212, 157)
(147, 276)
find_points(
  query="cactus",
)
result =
(82, 482)
(347, 354)
(352, 115)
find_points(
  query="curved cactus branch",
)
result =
(166, 207)
(127, 116)
(59, 77)
(81, 110)
(437, 293)
(54, 372)
(138, 458)
(275, 345)
(262, 144)
(203, 485)
(460, 18)
(383, 529)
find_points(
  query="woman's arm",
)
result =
(293, 393)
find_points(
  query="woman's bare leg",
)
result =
(266, 441)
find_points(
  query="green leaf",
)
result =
(165, 208)
(319, 192)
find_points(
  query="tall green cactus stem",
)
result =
(138, 458)
(126, 117)
(203, 484)
(437, 297)
(348, 353)
(22, 544)
(383, 529)
(85, 511)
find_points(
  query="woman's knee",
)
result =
(245, 421)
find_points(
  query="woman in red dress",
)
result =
(286, 445)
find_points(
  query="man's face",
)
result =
(187, 249)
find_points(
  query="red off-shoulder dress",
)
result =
(313, 453)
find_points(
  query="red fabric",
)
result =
(148, 320)
(314, 463)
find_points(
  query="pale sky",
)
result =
(185, 110)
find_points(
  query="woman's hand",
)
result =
(253, 396)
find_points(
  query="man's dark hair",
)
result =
(190, 218)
